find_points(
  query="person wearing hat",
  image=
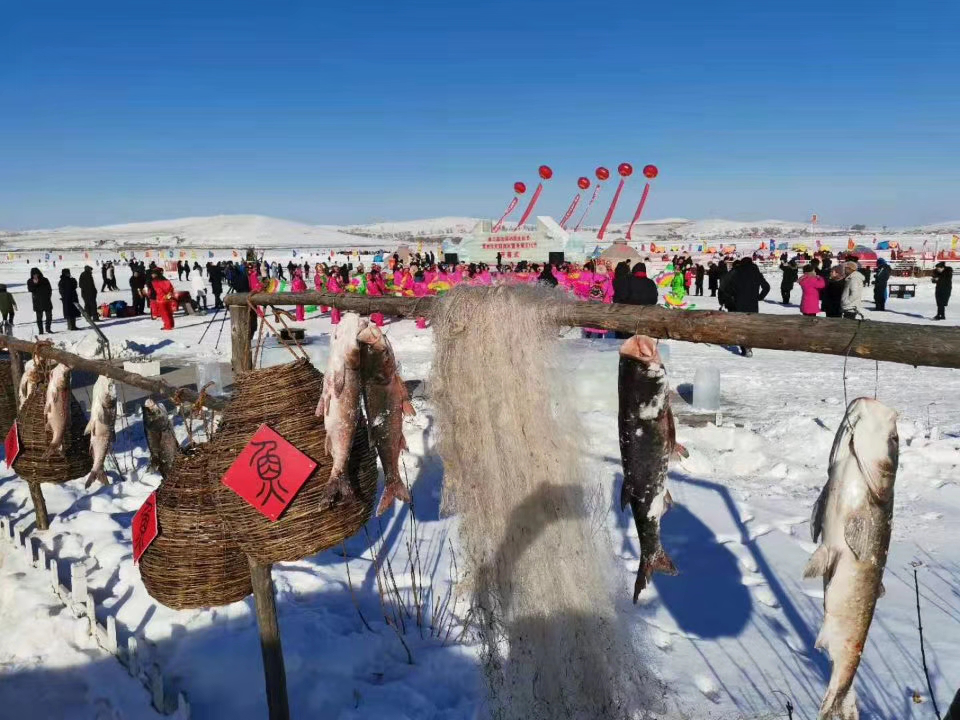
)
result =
(68, 296)
(88, 291)
(164, 302)
(8, 306)
(42, 294)
(943, 279)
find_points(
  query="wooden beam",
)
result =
(240, 324)
(917, 345)
(152, 385)
(274, 673)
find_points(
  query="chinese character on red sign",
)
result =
(11, 445)
(145, 527)
(269, 473)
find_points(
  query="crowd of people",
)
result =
(836, 290)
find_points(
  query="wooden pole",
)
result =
(917, 345)
(99, 367)
(36, 493)
(242, 352)
(273, 671)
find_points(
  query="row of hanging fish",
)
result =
(851, 519)
(363, 368)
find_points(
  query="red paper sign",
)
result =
(11, 445)
(269, 473)
(145, 527)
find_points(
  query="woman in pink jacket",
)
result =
(320, 282)
(298, 285)
(376, 287)
(420, 289)
(334, 287)
(811, 285)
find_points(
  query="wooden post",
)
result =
(39, 506)
(242, 360)
(273, 671)
(16, 371)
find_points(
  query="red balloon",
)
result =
(545, 172)
(583, 183)
(602, 173)
(650, 172)
(625, 169)
(519, 188)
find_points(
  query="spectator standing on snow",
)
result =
(39, 288)
(215, 274)
(832, 293)
(179, 270)
(851, 301)
(643, 290)
(137, 289)
(747, 287)
(199, 288)
(943, 279)
(698, 279)
(713, 278)
(789, 271)
(104, 286)
(88, 291)
(111, 277)
(880, 278)
(8, 306)
(68, 296)
(163, 289)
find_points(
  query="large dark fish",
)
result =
(161, 440)
(852, 522)
(648, 438)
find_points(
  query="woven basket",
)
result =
(193, 563)
(73, 463)
(8, 405)
(285, 398)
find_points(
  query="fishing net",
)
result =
(193, 563)
(60, 467)
(539, 557)
(284, 397)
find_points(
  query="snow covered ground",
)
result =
(731, 636)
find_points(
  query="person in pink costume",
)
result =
(376, 287)
(298, 285)
(334, 287)
(811, 285)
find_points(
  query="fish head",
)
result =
(643, 349)
(345, 343)
(870, 430)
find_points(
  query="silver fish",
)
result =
(161, 440)
(648, 439)
(56, 409)
(340, 401)
(386, 401)
(852, 521)
(101, 427)
(29, 380)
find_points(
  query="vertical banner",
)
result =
(625, 170)
(583, 183)
(649, 172)
(510, 208)
(545, 174)
(602, 175)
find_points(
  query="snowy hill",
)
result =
(219, 231)
(430, 227)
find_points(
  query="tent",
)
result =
(618, 251)
(866, 256)
(883, 245)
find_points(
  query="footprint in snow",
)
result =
(760, 531)
(663, 640)
(708, 686)
(765, 596)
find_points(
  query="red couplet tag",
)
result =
(11, 445)
(145, 528)
(269, 473)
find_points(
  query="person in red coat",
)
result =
(165, 298)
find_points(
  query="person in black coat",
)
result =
(42, 294)
(103, 274)
(698, 278)
(547, 277)
(643, 290)
(88, 290)
(880, 278)
(621, 283)
(215, 275)
(831, 295)
(137, 284)
(789, 270)
(746, 287)
(68, 296)
(943, 279)
(713, 278)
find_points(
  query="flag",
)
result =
(953, 242)
(850, 244)
(814, 219)
(209, 253)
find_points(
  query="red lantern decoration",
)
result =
(625, 169)
(602, 173)
(519, 188)
(650, 172)
(545, 172)
(583, 183)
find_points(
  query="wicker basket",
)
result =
(193, 563)
(31, 465)
(285, 397)
(8, 404)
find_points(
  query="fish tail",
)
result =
(97, 474)
(661, 563)
(836, 706)
(337, 487)
(392, 492)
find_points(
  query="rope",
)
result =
(846, 357)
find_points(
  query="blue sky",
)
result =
(335, 112)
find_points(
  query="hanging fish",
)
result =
(29, 380)
(340, 401)
(386, 402)
(648, 439)
(101, 427)
(852, 522)
(161, 439)
(56, 409)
